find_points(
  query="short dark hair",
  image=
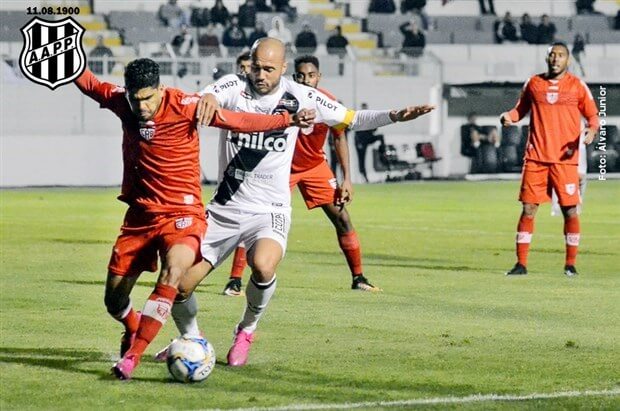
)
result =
(559, 44)
(141, 73)
(243, 57)
(305, 60)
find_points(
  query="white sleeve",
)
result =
(339, 117)
(224, 89)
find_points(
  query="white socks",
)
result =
(258, 296)
(184, 316)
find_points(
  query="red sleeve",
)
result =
(98, 91)
(587, 107)
(250, 122)
(523, 105)
(337, 133)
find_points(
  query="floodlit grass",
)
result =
(448, 323)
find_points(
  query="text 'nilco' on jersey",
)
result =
(255, 168)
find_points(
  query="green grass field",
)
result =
(448, 324)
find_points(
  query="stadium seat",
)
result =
(426, 151)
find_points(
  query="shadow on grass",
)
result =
(559, 251)
(202, 288)
(388, 260)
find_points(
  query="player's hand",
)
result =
(590, 134)
(303, 118)
(206, 109)
(345, 193)
(411, 112)
(505, 119)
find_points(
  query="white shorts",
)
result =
(226, 229)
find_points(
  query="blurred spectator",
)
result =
(247, 14)
(506, 30)
(585, 6)
(546, 30)
(282, 6)
(529, 32)
(305, 42)
(100, 51)
(258, 33)
(171, 14)
(219, 14)
(362, 140)
(280, 32)
(244, 63)
(416, 7)
(578, 51)
(263, 7)
(617, 21)
(483, 7)
(209, 43)
(183, 42)
(337, 43)
(234, 37)
(164, 52)
(198, 14)
(472, 135)
(382, 6)
(414, 41)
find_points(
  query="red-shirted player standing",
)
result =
(556, 101)
(318, 186)
(161, 185)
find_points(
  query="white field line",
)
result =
(437, 400)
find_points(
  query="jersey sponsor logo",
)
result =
(228, 84)
(246, 95)
(189, 100)
(552, 97)
(326, 103)
(183, 222)
(260, 141)
(278, 224)
(52, 53)
(570, 189)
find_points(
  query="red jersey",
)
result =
(161, 166)
(555, 121)
(310, 142)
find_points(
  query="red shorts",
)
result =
(143, 235)
(318, 185)
(538, 179)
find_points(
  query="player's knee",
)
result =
(569, 212)
(529, 210)
(263, 269)
(172, 274)
(115, 302)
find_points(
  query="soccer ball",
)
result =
(190, 359)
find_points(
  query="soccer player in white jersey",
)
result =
(251, 203)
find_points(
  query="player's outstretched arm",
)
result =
(253, 122)
(410, 113)
(90, 85)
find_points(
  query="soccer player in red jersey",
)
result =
(318, 185)
(556, 101)
(161, 185)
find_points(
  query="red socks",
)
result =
(154, 316)
(525, 228)
(350, 246)
(239, 263)
(571, 234)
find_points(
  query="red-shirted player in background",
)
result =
(556, 101)
(161, 185)
(318, 185)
